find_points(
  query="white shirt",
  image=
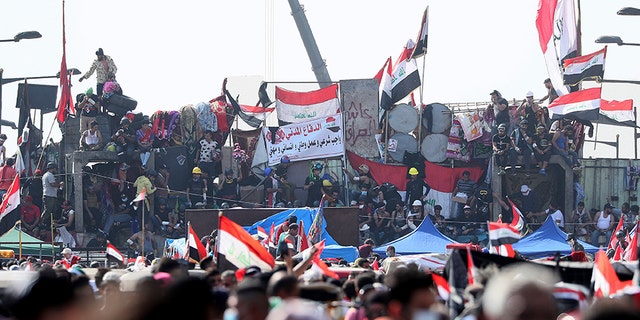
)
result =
(557, 217)
(48, 189)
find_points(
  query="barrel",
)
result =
(403, 118)
(399, 143)
(434, 147)
(436, 118)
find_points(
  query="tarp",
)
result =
(546, 241)
(13, 235)
(425, 239)
(331, 250)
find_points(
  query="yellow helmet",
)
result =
(196, 170)
(413, 171)
(327, 183)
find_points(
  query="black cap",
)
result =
(571, 236)
(608, 206)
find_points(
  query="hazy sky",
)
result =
(173, 53)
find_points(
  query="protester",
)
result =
(104, 67)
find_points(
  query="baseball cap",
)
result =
(529, 93)
(608, 206)
(524, 188)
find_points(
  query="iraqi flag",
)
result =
(315, 230)
(421, 43)
(604, 278)
(113, 252)
(65, 105)
(294, 107)
(240, 248)
(619, 111)
(557, 45)
(580, 105)
(303, 242)
(385, 70)
(195, 249)
(11, 199)
(404, 78)
(517, 221)
(237, 109)
(631, 252)
(581, 68)
(442, 180)
(614, 241)
(442, 285)
(258, 112)
(141, 196)
(502, 233)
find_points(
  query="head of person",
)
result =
(91, 189)
(145, 124)
(607, 208)
(466, 175)
(228, 173)
(293, 228)
(9, 162)
(51, 166)
(391, 251)
(413, 173)
(66, 252)
(3, 138)
(94, 125)
(625, 207)
(285, 160)
(411, 294)
(571, 238)
(553, 205)
(66, 205)
(125, 122)
(467, 210)
(363, 168)
(568, 131)
(28, 200)
(100, 54)
(196, 172)
(268, 171)
(529, 96)
(416, 205)
(634, 209)
(317, 168)
(437, 209)
(547, 83)
(151, 174)
(524, 124)
(208, 135)
(580, 206)
(525, 190)
(369, 242)
(540, 129)
(502, 129)
(495, 95)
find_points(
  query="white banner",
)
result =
(321, 138)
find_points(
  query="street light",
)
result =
(629, 11)
(3, 81)
(24, 35)
(615, 39)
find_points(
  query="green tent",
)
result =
(31, 246)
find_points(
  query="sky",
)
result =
(173, 53)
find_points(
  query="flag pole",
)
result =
(19, 223)
(386, 136)
(143, 228)
(424, 59)
(217, 247)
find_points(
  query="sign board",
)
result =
(360, 111)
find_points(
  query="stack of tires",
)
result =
(120, 104)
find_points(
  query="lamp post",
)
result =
(23, 35)
(615, 39)
(3, 81)
(629, 11)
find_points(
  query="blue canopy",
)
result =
(425, 239)
(331, 250)
(546, 241)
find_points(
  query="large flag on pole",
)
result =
(240, 248)
(581, 68)
(421, 42)
(620, 111)
(66, 99)
(581, 105)
(11, 199)
(604, 278)
(294, 107)
(249, 119)
(558, 36)
(404, 79)
(381, 73)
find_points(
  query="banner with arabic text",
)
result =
(320, 138)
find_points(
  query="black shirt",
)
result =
(502, 143)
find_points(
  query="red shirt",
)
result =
(29, 213)
(7, 173)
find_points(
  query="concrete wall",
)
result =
(602, 178)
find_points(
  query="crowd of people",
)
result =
(166, 288)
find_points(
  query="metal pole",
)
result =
(635, 133)
(144, 203)
(1, 71)
(617, 146)
(20, 239)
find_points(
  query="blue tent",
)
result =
(425, 239)
(546, 241)
(331, 250)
